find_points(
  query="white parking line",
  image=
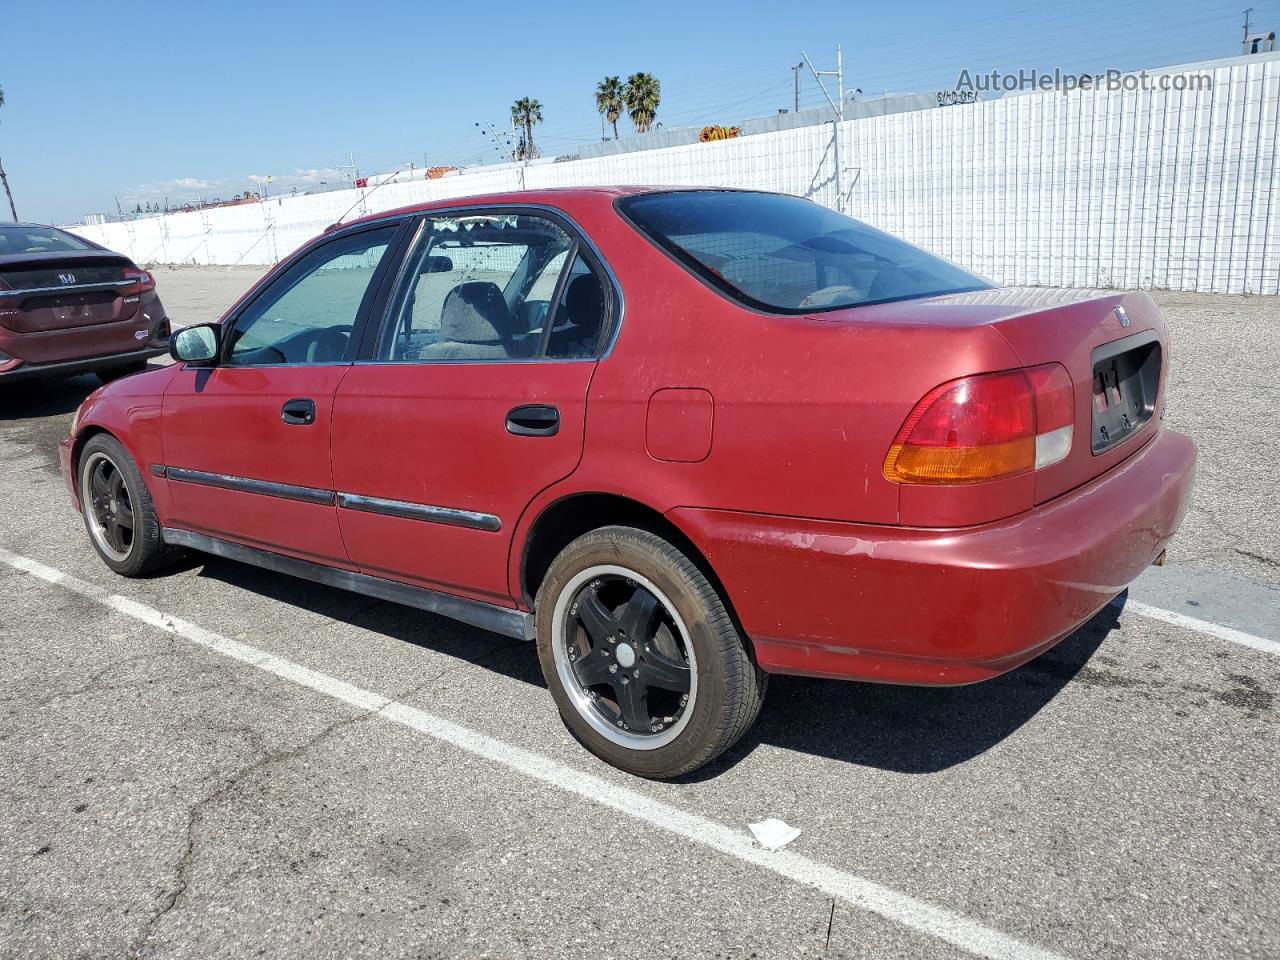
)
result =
(1261, 644)
(958, 930)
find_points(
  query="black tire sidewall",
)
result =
(719, 651)
(147, 543)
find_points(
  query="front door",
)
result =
(246, 442)
(470, 401)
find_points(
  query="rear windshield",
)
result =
(783, 254)
(37, 240)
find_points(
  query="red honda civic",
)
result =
(682, 439)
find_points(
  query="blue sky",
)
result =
(144, 101)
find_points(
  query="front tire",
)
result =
(117, 510)
(641, 656)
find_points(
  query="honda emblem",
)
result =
(66, 278)
(1122, 316)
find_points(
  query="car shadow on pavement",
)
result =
(513, 658)
(33, 399)
(901, 729)
(913, 729)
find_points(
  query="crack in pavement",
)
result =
(196, 815)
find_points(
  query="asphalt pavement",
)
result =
(226, 762)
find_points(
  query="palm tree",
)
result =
(642, 95)
(609, 100)
(526, 112)
(5, 180)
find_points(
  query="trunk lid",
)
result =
(60, 291)
(1112, 344)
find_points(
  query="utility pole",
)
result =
(507, 154)
(837, 112)
(1247, 11)
(840, 78)
(796, 71)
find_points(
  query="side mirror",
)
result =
(197, 344)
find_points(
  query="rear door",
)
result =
(247, 442)
(470, 400)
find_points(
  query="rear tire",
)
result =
(641, 656)
(117, 510)
(107, 374)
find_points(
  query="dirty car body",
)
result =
(754, 434)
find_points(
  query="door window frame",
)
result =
(389, 263)
(374, 332)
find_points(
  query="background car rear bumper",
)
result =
(22, 371)
(916, 606)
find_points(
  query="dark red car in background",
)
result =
(68, 305)
(682, 438)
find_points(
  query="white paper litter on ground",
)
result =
(773, 834)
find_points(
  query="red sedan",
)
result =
(68, 305)
(683, 439)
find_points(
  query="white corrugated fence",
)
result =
(1176, 189)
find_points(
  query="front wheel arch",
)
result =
(77, 450)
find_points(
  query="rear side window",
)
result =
(18, 239)
(782, 254)
(494, 287)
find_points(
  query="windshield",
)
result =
(783, 254)
(37, 240)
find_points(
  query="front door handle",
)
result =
(299, 411)
(534, 420)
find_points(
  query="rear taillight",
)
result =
(1055, 399)
(139, 280)
(986, 427)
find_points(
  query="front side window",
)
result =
(782, 254)
(491, 287)
(308, 313)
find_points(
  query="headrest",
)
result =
(584, 300)
(475, 313)
(437, 264)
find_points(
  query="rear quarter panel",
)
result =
(804, 411)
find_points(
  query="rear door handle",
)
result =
(534, 420)
(299, 411)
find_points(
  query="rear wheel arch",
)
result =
(566, 519)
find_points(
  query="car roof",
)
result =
(548, 197)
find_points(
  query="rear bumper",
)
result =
(21, 371)
(941, 607)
